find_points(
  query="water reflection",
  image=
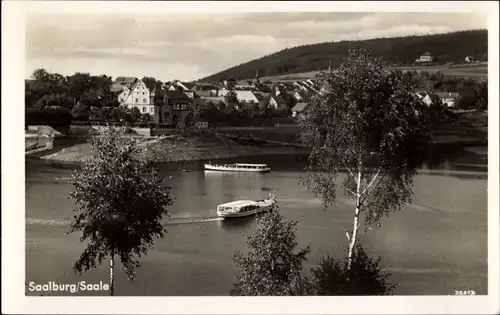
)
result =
(238, 224)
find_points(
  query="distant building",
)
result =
(207, 89)
(177, 109)
(126, 81)
(278, 102)
(426, 57)
(299, 96)
(448, 98)
(469, 59)
(299, 108)
(183, 86)
(426, 99)
(134, 93)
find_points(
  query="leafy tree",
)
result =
(482, 94)
(208, 112)
(78, 84)
(150, 82)
(61, 100)
(144, 118)
(40, 75)
(371, 124)
(274, 265)
(120, 202)
(134, 114)
(365, 277)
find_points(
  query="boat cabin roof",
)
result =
(248, 164)
(238, 203)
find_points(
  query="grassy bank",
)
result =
(173, 148)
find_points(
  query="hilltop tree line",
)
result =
(446, 48)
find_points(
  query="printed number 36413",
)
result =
(469, 292)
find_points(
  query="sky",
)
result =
(189, 46)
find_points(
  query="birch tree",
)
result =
(120, 202)
(369, 124)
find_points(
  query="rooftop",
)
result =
(299, 107)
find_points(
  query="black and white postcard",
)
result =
(213, 157)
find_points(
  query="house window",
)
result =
(144, 100)
(152, 110)
(137, 100)
(144, 109)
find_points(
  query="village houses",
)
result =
(174, 103)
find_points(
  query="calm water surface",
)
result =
(436, 245)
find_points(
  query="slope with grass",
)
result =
(446, 48)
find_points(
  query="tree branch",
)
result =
(369, 193)
(352, 175)
(350, 191)
(371, 182)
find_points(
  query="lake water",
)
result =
(436, 245)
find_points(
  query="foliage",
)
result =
(482, 94)
(134, 114)
(274, 265)
(151, 82)
(53, 89)
(372, 124)
(54, 99)
(401, 50)
(120, 202)
(58, 116)
(365, 277)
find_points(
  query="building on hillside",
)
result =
(299, 108)
(469, 59)
(261, 95)
(426, 57)
(278, 102)
(299, 86)
(215, 100)
(207, 89)
(243, 96)
(177, 109)
(246, 96)
(299, 95)
(183, 86)
(426, 98)
(448, 99)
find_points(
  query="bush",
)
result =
(366, 277)
(57, 116)
(273, 266)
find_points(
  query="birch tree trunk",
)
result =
(112, 273)
(355, 224)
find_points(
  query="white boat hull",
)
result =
(239, 214)
(217, 168)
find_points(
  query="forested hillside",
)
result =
(450, 47)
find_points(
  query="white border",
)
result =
(13, 226)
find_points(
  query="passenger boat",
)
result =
(238, 167)
(243, 208)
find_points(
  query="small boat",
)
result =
(238, 167)
(244, 208)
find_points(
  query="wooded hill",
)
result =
(446, 48)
